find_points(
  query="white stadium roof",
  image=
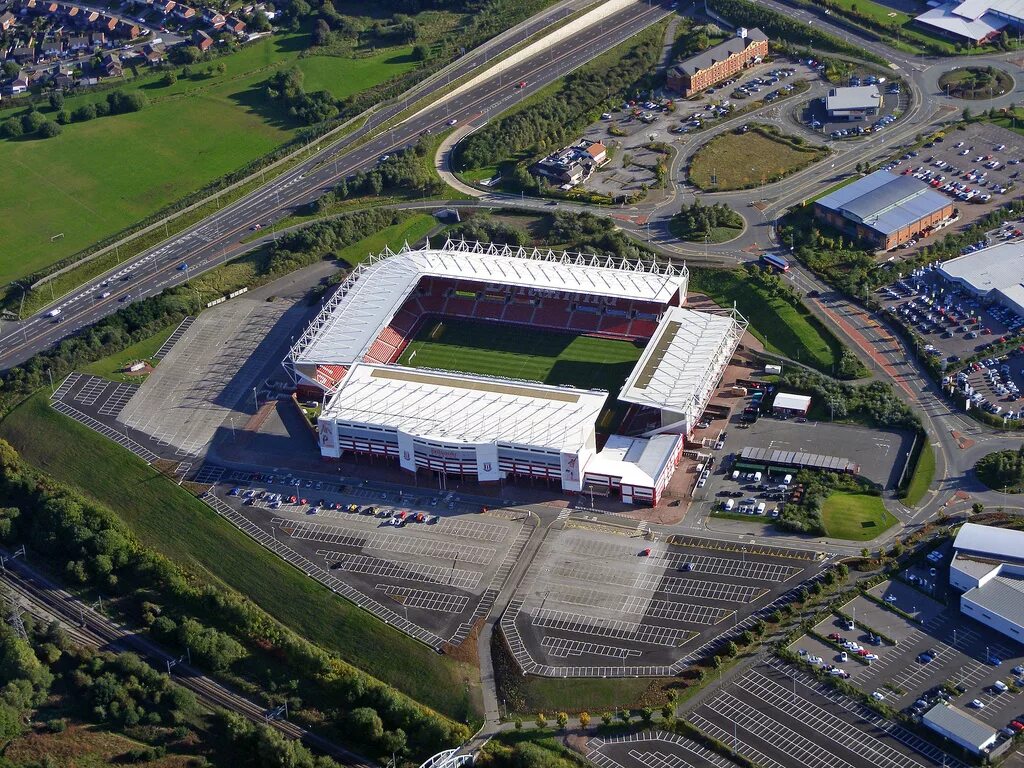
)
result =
(348, 324)
(455, 407)
(682, 362)
(987, 540)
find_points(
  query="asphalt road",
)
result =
(217, 238)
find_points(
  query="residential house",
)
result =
(234, 24)
(126, 29)
(78, 44)
(99, 39)
(572, 165)
(71, 11)
(22, 55)
(32, 6)
(214, 18)
(7, 20)
(111, 65)
(52, 48)
(153, 54)
(20, 83)
(202, 40)
(108, 23)
(184, 12)
(64, 81)
(91, 17)
(165, 7)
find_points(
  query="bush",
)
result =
(32, 122)
(49, 129)
(83, 113)
(11, 128)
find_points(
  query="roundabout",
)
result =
(976, 83)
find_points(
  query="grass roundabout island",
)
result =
(717, 223)
(750, 156)
(976, 82)
(1002, 470)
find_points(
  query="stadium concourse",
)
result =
(657, 373)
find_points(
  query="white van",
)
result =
(757, 477)
(760, 508)
(735, 474)
(787, 480)
(53, 313)
(729, 504)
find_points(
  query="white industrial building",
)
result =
(491, 428)
(988, 568)
(960, 727)
(995, 274)
(854, 102)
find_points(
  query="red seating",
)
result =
(518, 313)
(382, 353)
(552, 314)
(329, 376)
(642, 329)
(488, 310)
(584, 322)
(390, 336)
(614, 325)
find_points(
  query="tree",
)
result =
(222, 68)
(83, 113)
(11, 128)
(966, 113)
(57, 100)
(366, 724)
(606, 718)
(10, 69)
(646, 715)
(624, 715)
(562, 718)
(716, 661)
(668, 711)
(49, 130)
(321, 33)
(977, 507)
(422, 52)
(730, 650)
(584, 720)
(169, 78)
(32, 121)
(542, 721)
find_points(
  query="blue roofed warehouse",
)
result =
(884, 210)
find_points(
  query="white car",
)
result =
(453, 121)
(871, 657)
(878, 696)
(978, 704)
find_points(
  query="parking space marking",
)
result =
(65, 386)
(443, 602)
(396, 542)
(799, 748)
(684, 612)
(600, 627)
(209, 474)
(408, 571)
(90, 391)
(754, 755)
(879, 753)
(471, 529)
(702, 755)
(711, 590)
(173, 338)
(561, 647)
(117, 399)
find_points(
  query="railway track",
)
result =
(46, 601)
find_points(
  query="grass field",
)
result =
(172, 521)
(506, 350)
(740, 161)
(110, 367)
(780, 326)
(922, 476)
(855, 516)
(103, 175)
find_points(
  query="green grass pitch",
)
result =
(519, 352)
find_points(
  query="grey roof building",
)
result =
(996, 272)
(856, 99)
(988, 567)
(959, 727)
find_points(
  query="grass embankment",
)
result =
(101, 176)
(922, 475)
(588, 694)
(855, 516)
(783, 328)
(410, 231)
(744, 160)
(112, 367)
(172, 521)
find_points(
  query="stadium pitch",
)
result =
(519, 352)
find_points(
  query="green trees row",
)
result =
(1002, 469)
(559, 118)
(695, 222)
(404, 171)
(33, 123)
(222, 629)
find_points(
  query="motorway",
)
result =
(46, 601)
(217, 238)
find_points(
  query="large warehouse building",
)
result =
(491, 428)
(884, 210)
(988, 567)
(995, 274)
(973, 21)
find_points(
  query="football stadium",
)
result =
(493, 362)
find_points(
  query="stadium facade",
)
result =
(491, 428)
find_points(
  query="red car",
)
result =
(835, 636)
(521, 84)
(863, 652)
(1017, 725)
(646, 552)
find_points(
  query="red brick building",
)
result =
(719, 62)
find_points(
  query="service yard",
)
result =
(598, 603)
(420, 559)
(776, 717)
